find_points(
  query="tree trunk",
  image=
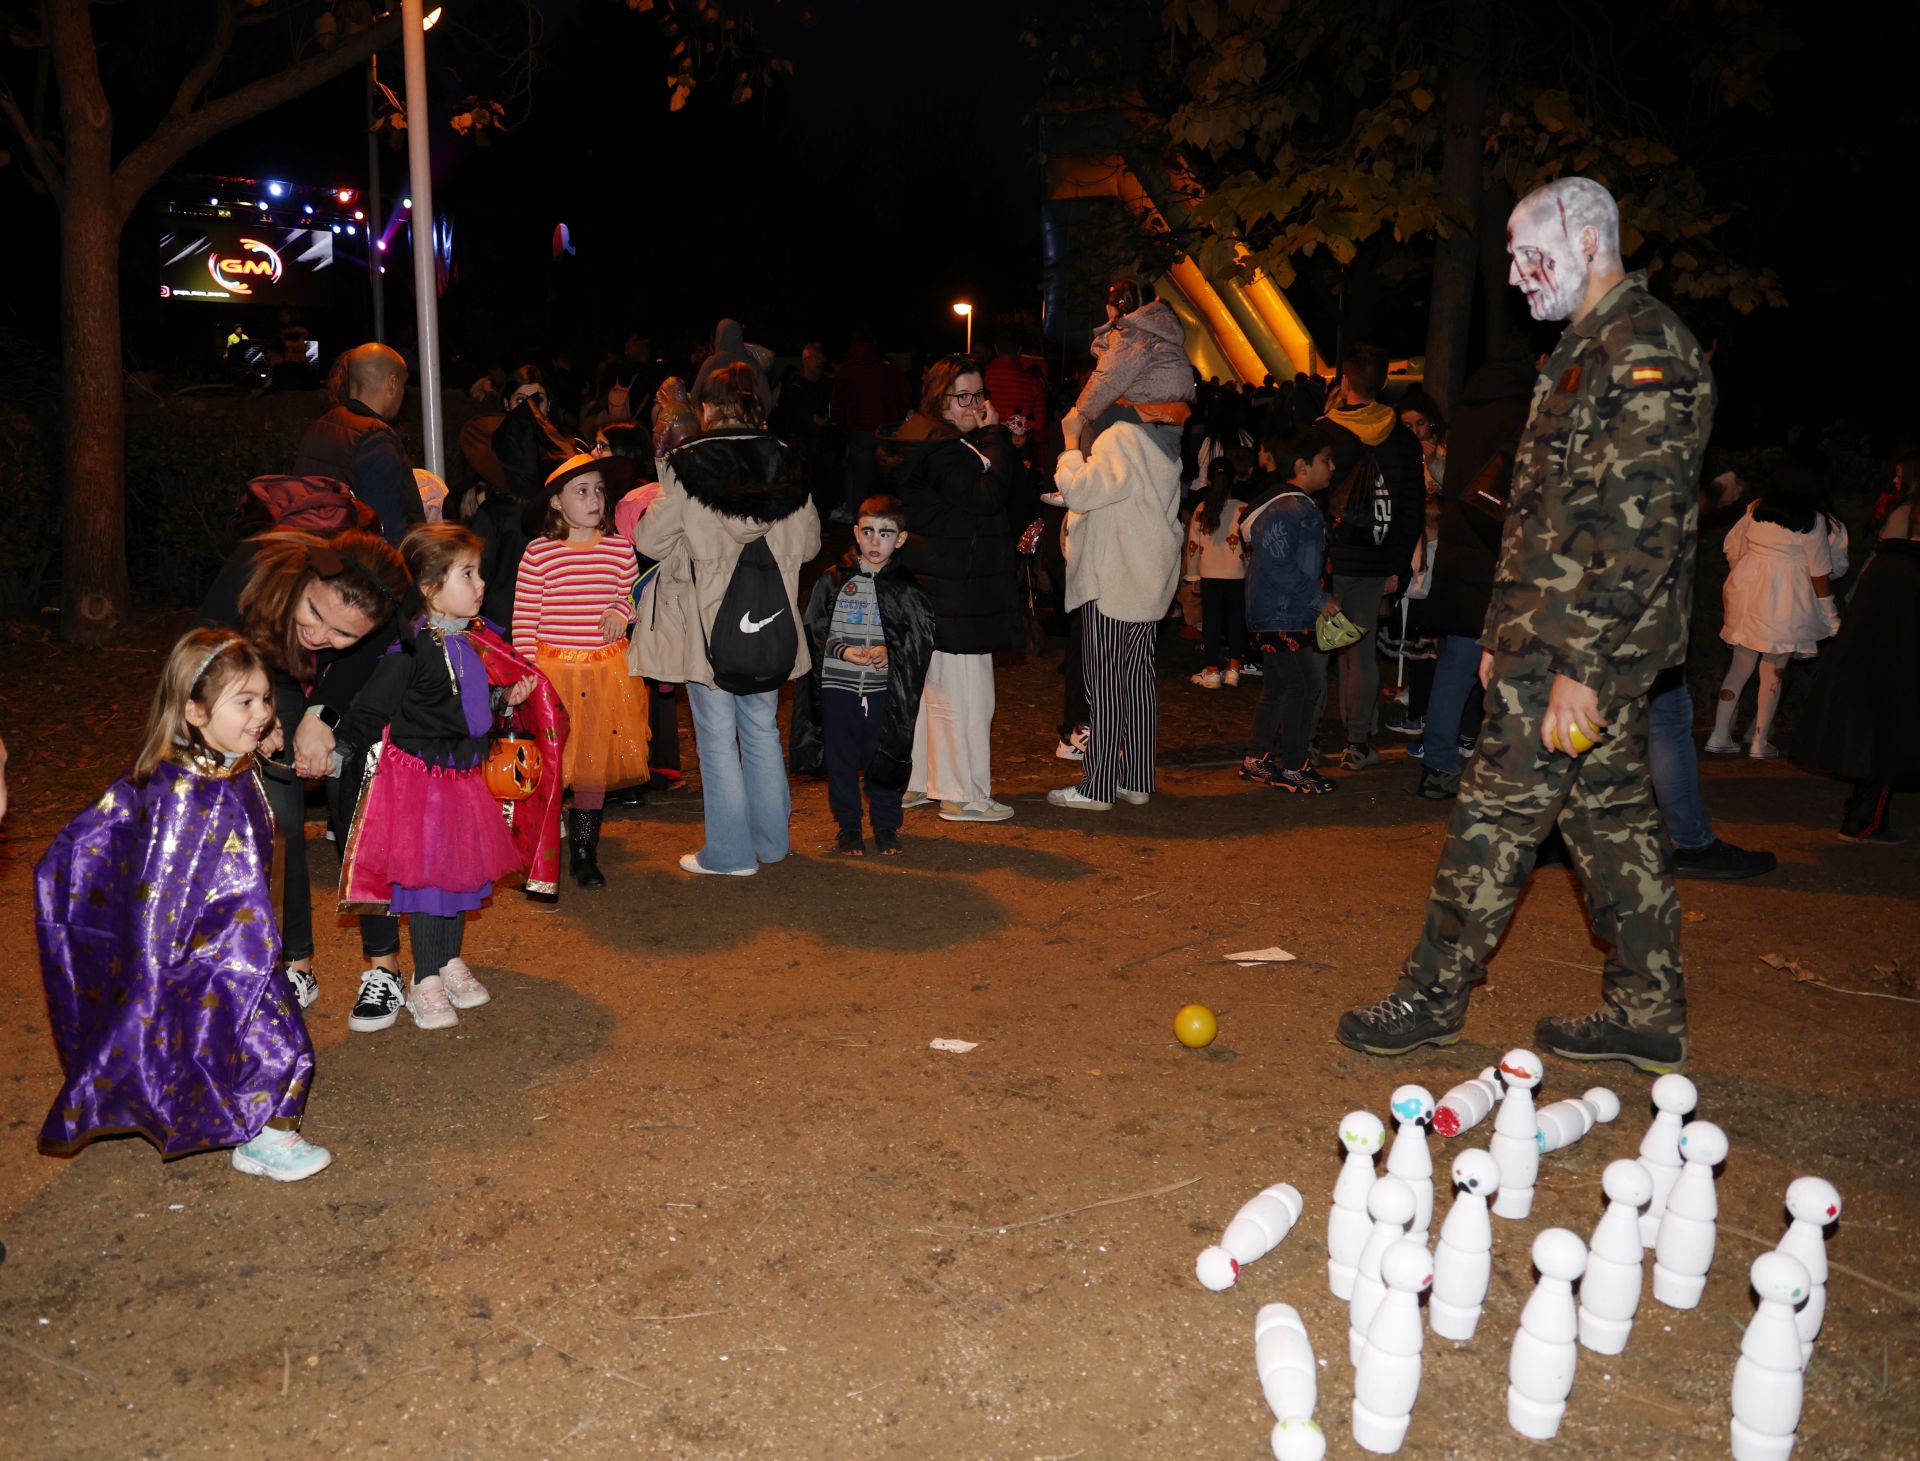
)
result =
(1503, 333)
(94, 592)
(1456, 259)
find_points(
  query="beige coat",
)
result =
(1123, 525)
(697, 543)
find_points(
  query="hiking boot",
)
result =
(1398, 1024)
(1721, 862)
(464, 992)
(850, 843)
(1304, 782)
(886, 841)
(1601, 1036)
(285, 1156)
(379, 1003)
(1260, 769)
(1359, 756)
(585, 843)
(1438, 786)
(306, 986)
(1072, 796)
(429, 1005)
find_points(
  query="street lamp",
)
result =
(965, 311)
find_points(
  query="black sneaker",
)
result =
(1438, 786)
(1466, 745)
(1882, 836)
(887, 842)
(1305, 782)
(379, 1003)
(849, 844)
(1601, 1036)
(1721, 862)
(1260, 769)
(1397, 1025)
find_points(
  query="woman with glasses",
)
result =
(950, 463)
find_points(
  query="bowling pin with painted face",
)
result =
(1683, 1252)
(1467, 1104)
(1812, 1203)
(1362, 1134)
(1290, 1381)
(1674, 1098)
(1767, 1387)
(1463, 1258)
(1408, 1157)
(1516, 1134)
(1610, 1288)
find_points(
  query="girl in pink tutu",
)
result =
(428, 839)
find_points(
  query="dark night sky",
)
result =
(894, 173)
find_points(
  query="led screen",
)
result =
(236, 262)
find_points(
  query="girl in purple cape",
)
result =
(158, 946)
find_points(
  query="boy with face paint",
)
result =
(1591, 601)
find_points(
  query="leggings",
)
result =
(436, 942)
(1772, 668)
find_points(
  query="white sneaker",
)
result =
(1718, 747)
(1762, 751)
(1135, 798)
(285, 1156)
(1208, 679)
(306, 987)
(1072, 796)
(1230, 675)
(464, 992)
(986, 811)
(429, 1006)
(690, 863)
(907, 803)
(1073, 747)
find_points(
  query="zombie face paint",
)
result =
(1548, 267)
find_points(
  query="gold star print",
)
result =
(71, 1113)
(243, 915)
(182, 789)
(210, 1000)
(233, 843)
(198, 942)
(108, 803)
(113, 964)
(143, 891)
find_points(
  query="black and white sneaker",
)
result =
(379, 1003)
(306, 985)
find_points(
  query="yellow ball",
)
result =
(1578, 739)
(1195, 1026)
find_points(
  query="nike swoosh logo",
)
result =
(748, 626)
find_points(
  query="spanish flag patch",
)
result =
(1648, 375)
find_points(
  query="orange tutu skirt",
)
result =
(607, 744)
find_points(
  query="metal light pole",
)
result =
(374, 213)
(426, 279)
(965, 311)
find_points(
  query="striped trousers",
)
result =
(1123, 701)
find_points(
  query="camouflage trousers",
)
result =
(1512, 795)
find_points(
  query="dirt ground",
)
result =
(694, 1185)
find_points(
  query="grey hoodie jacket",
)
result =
(1142, 356)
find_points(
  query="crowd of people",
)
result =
(451, 665)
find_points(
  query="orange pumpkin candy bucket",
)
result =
(513, 767)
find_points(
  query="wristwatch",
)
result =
(326, 715)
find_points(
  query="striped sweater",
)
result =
(564, 588)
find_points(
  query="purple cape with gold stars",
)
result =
(161, 960)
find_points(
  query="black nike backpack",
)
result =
(755, 643)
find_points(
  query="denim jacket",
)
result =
(1287, 548)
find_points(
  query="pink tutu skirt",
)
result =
(426, 839)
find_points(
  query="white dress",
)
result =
(1770, 603)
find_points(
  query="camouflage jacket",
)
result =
(1595, 578)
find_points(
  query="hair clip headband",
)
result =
(200, 670)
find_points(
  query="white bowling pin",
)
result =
(1463, 1258)
(1674, 1098)
(1540, 1368)
(1387, 1380)
(1515, 1145)
(1565, 1122)
(1390, 1205)
(1767, 1387)
(1408, 1157)
(1290, 1381)
(1362, 1134)
(1256, 1230)
(1467, 1104)
(1683, 1252)
(1812, 1202)
(1610, 1289)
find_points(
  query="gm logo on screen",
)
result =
(236, 273)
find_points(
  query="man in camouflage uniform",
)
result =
(1591, 600)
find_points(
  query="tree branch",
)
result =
(55, 180)
(201, 76)
(140, 169)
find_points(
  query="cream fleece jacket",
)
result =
(1123, 536)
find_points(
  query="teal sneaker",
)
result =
(285, 1156)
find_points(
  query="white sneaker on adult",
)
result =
(981, 811)
(1719, 747)
(915, 799)
(429, 1006)
(1072, 796)
(464, 992)
(690, 863)
(1135, 798)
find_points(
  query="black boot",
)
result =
(586, 849)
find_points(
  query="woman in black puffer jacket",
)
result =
(949, 462)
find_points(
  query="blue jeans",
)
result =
(1456, 679)
(1676, 765)
(743, 778)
